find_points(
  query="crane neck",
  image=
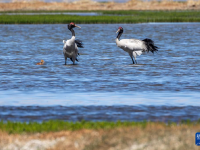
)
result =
(119, 34)
(73, 33)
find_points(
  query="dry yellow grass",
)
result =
(152, 137)
(91, 5)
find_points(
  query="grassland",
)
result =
(58, 125)
(107, 17)
(58, 135)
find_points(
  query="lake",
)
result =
(104, 84)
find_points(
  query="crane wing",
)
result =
(134, 44)
(70, 50)
(76, 50)
(68, 46)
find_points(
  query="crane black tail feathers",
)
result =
(79, 43)
(72, 59)
(150, 45)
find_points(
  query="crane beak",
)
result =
(118, 30)
(77, 26)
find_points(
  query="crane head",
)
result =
(120, 29)
(72, 25)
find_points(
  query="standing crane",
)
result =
(70, 48)
(135, 47)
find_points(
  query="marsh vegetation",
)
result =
(101, 135)
(106, 17)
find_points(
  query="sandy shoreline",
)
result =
(124, 138)
(91, 5)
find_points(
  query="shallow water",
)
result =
(104, 76)
(99, 113)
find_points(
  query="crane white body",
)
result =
(133, 47)
(70, 49)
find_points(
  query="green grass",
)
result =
(107, 17)
(58, 125)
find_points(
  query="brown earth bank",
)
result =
(91, 5)
(152, 137)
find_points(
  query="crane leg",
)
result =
(132, 60)
(135, 61)
(73, 61)
(65, 61)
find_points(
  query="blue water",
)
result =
(104, 77)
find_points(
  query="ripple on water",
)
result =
(102, 66)
(99, 113)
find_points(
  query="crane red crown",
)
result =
(72, 23)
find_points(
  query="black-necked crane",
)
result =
(135, 47)
(70, 48)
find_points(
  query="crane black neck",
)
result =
(73, 33)
(119, 34)
(70, 27)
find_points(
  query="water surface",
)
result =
(104, 75)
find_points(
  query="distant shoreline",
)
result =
(92, 5)
(133, 11)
